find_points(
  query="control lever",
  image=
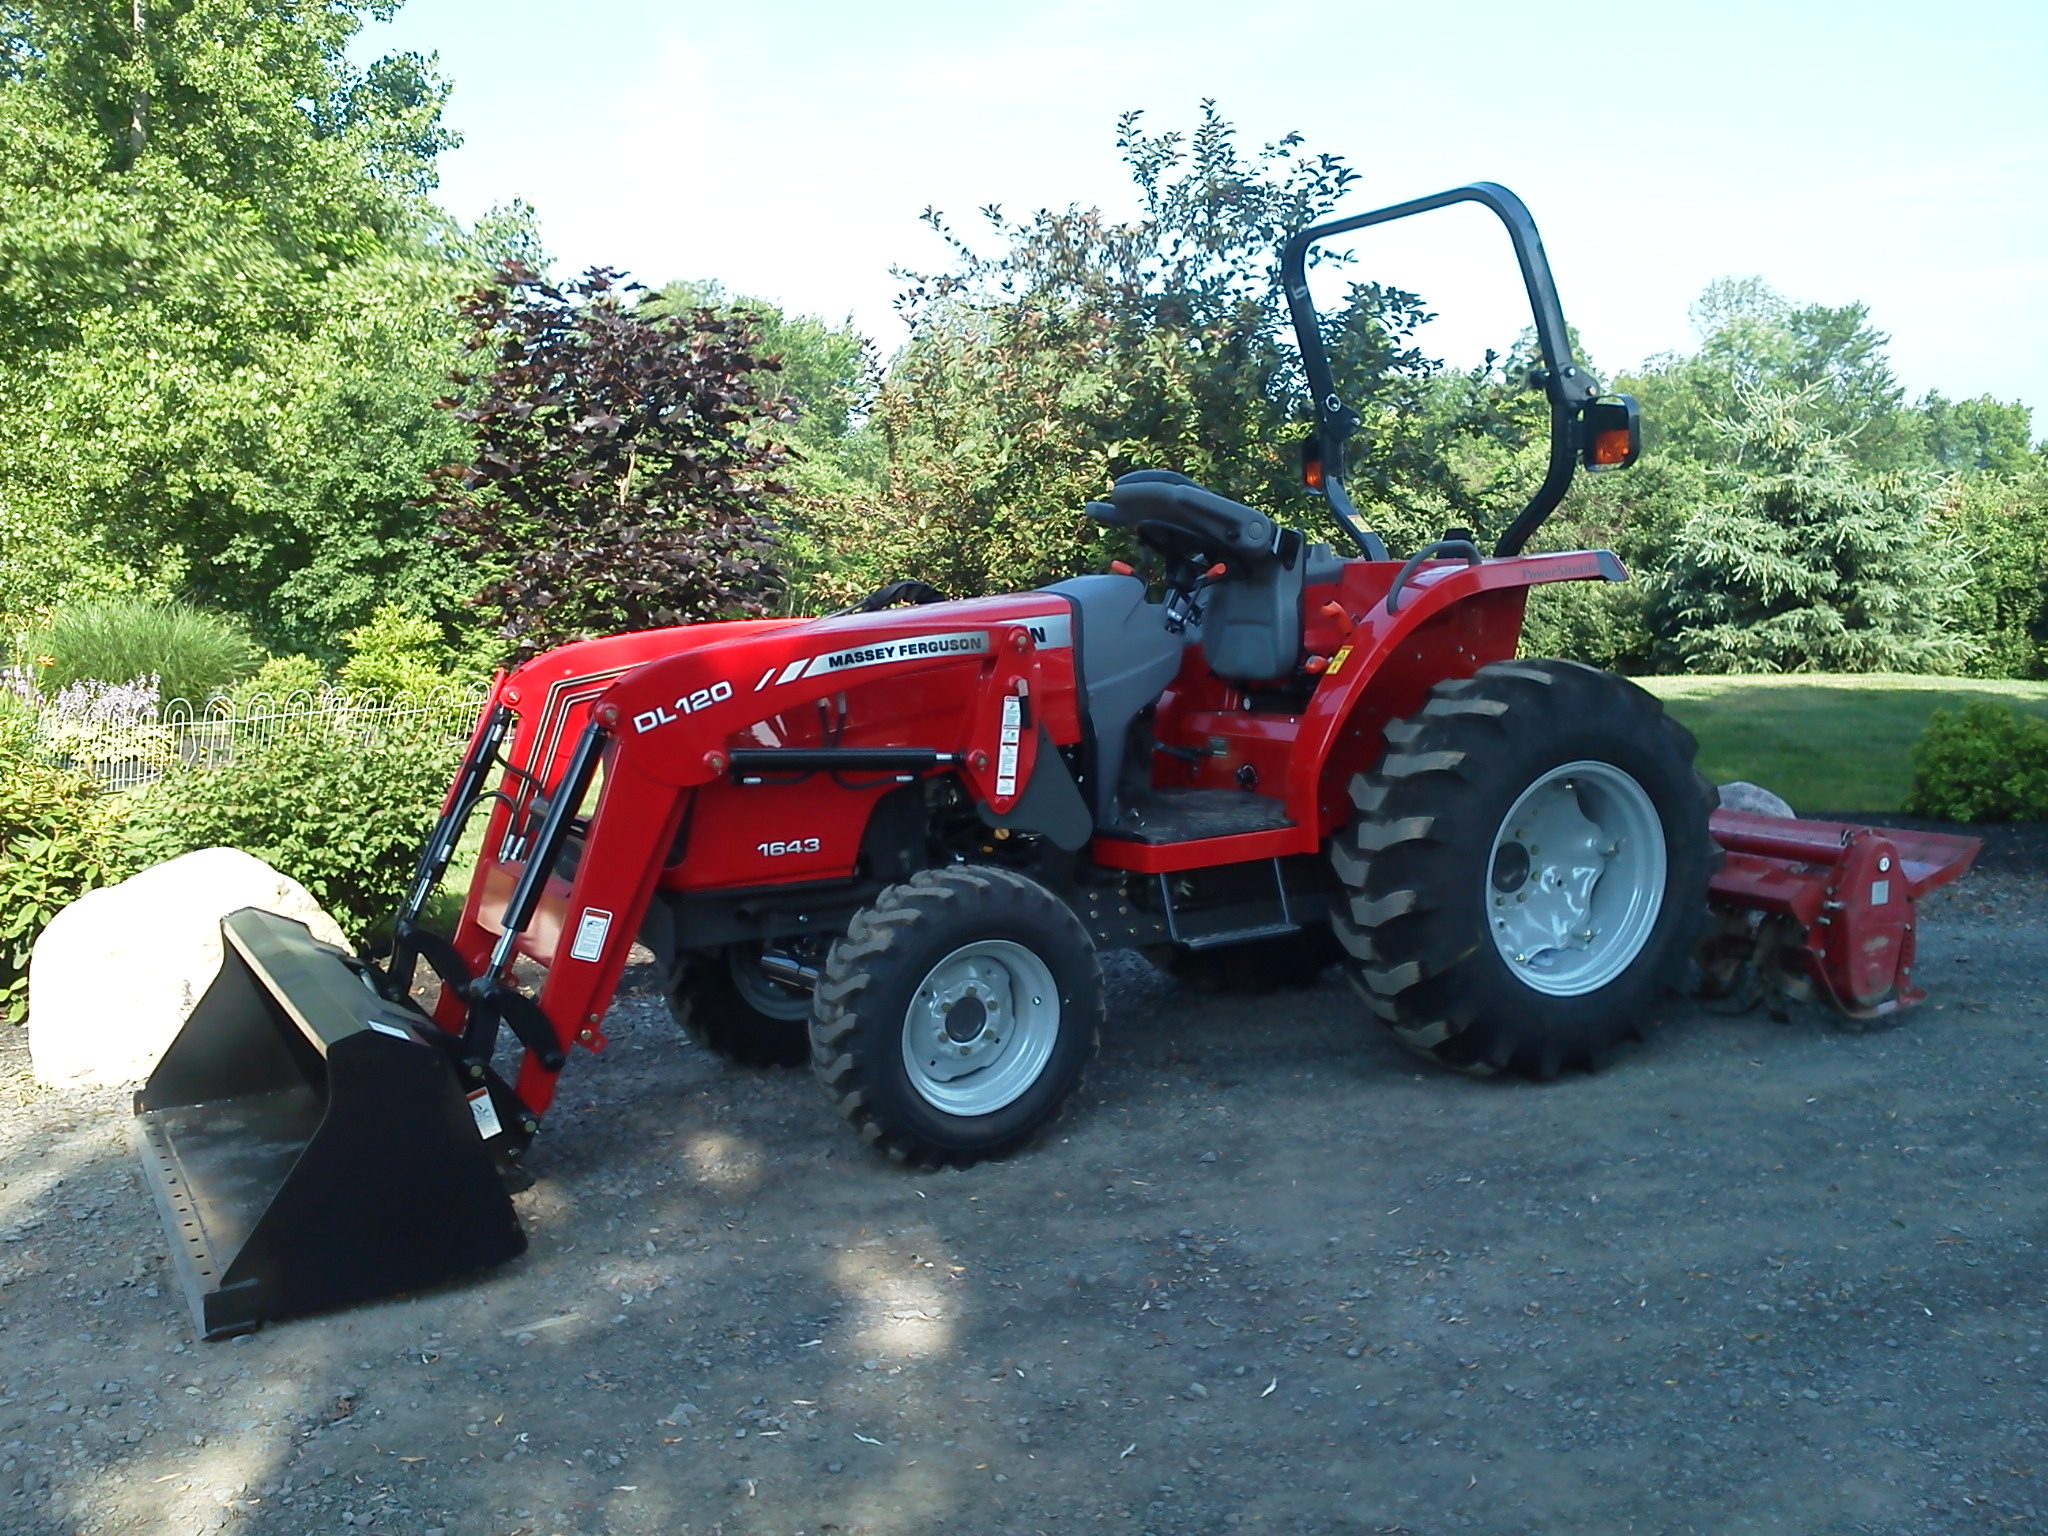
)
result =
(1184, 598)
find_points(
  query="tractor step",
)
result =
(1190, 815)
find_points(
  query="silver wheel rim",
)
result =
(1575, 878)
(762, 992)
(980, 1027)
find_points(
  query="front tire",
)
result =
(726, 1004)
(1527, 868)
(957, 1015)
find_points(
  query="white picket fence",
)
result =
(126, 752)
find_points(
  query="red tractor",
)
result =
(892, 840)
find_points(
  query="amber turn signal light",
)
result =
(1611, 448)
(1311, 464)
(1610, 433)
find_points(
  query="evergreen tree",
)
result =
(1807, 562)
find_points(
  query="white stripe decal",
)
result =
(1054, 633)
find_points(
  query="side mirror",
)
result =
(1610, 433)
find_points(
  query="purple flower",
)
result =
(119, 706)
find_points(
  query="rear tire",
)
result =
(1477, 947)
(1278, 964)
(957, 1015)
(723, 1003)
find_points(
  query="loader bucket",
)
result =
(307, 1147)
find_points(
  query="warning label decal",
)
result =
(591, 930)
(485, 1113)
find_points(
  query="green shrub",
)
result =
(1598, 623)
(395, 653)
(1989, 763)
(54, 847)
(342, 815)
(17, 725)
(191, 653)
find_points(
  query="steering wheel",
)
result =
(909, 591)
(1182, 521)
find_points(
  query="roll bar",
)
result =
(1569, 387)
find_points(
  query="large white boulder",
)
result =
(1741, 795)
(115, 974)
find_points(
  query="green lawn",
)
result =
(1825, 741)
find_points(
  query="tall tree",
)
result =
(1752, 338)
(1089, 346)
(1987, 435)
(826, 528)
(829, 371)
(1807, 561)
(225, 304)
(2001, 520)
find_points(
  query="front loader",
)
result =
(892, 842)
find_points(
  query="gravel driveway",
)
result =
(1266, 1276)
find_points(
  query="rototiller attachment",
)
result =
(1806, 905)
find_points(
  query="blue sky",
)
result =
(1896, 154)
